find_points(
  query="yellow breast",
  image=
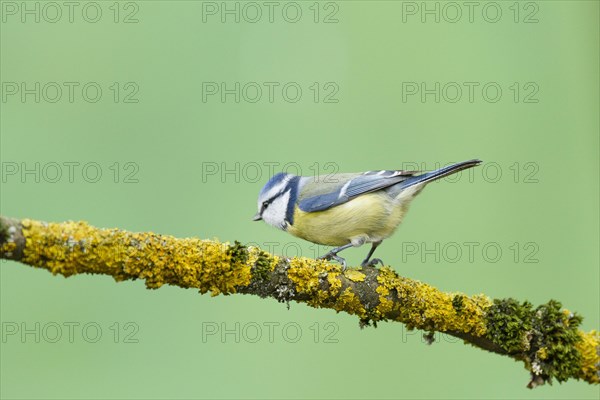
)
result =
(372, 217)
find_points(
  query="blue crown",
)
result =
(275, 180)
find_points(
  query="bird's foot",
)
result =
(372, 263)
(333, 256)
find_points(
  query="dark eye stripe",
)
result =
(266, 203)
(269, 201)
(276, 195)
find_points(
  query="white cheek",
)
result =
(275, 213)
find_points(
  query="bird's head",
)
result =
(276, 200)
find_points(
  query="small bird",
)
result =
(345, 210)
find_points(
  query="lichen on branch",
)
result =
(546, 338)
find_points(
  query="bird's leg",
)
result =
(375, 261)
(332, 255)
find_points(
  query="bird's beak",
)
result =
(257, 217)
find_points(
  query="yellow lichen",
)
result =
(426, 307)
(385, 306)
(335, 284)
(303, 273)
(350, 303)
(307, 274)
(219, 273)
(75, 247)
(7, 248)
(589, 348)
(354, 275)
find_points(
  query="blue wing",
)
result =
(348, 186)
(351, 187)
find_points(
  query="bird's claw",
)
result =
(372, 263)
(333, 256)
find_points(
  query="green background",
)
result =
(545, 200)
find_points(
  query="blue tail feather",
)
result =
(438, 174)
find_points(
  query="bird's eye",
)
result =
(265, 204)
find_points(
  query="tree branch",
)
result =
(546, 338)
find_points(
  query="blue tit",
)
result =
(345, 210)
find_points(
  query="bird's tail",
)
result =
(438, 174)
